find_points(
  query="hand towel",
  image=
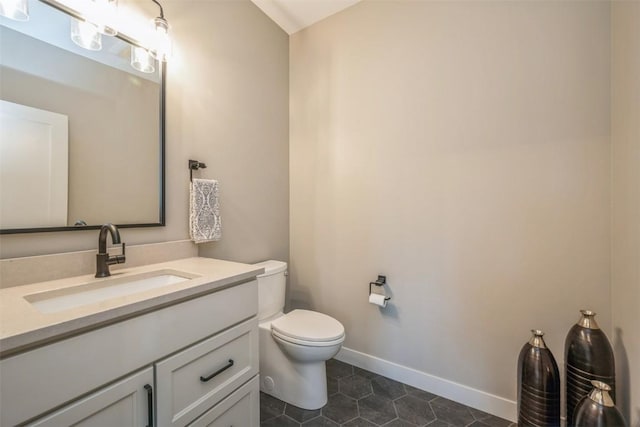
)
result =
(205, 224)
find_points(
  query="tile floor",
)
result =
(359, 398)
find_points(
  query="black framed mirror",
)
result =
(82, 133)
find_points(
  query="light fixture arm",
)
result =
(160, 6)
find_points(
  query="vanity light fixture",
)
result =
(18, 10)
(142, 60)
(162, 49)
(86, 34)
(99, 18)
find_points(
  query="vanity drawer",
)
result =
(195, 379)
(241, 409)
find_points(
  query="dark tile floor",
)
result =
(359, 398)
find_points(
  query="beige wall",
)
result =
(625, 127)
(228, 107)
(235, 113)
(462, 149)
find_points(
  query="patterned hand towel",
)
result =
(204, 211)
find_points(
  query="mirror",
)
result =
(81, 132)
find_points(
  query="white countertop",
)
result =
(22, 325)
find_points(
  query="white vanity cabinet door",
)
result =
(240, 409)
(196, 379)
(123, 404)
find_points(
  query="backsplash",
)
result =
(22, 271)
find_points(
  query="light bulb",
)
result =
(104, 15)
(18, 10)
(142, 60)
(85, 34)
(162, 50)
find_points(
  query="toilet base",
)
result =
(300, 384)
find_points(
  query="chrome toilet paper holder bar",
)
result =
(381, 281)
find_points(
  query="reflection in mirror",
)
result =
(81, 132)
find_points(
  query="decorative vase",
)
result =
(588, 357)
(538, 384)
(597, 409)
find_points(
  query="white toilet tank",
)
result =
(271, 288)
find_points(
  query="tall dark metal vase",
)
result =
(538, 385)
(597, 409)
(588, 357)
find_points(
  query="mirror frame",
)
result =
(162, 139)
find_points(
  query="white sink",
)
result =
(104, 289)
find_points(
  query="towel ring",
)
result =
(194, 165)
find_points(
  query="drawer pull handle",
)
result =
(149, 404)
(218, 372)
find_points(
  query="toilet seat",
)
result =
(309, 328)
(307, 343)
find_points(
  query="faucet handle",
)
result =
(120, 259)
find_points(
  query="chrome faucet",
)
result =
(103, 260)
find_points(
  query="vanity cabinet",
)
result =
(98, 378)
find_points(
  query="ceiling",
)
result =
(294, 15)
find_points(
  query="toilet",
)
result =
(294, 346)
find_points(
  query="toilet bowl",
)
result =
(294, 346)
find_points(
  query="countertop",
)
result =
(23, 326)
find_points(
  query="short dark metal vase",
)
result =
(538, 385)
(588, 357)
(597, 409)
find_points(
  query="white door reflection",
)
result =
(33, 167)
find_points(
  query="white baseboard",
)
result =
(478, 399)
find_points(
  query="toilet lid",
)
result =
(308, 326)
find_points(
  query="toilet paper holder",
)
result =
(381, 281)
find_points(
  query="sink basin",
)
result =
(104, 289)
